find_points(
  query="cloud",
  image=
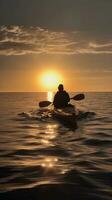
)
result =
(21, 40)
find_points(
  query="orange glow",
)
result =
(50, 96)
(50, 80)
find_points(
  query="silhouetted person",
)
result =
(61, 98)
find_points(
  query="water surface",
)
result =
(42, 158)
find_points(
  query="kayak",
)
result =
(66, 117)
(69, 116)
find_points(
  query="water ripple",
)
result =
(40, 158)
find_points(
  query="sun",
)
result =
(50, 80)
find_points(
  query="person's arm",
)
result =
(67, 97)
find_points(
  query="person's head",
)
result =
(60, 88)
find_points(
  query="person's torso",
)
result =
(61, 99)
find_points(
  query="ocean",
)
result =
(42, 159)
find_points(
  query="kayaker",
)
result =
(61, 98)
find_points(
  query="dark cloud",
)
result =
(60, 20)
(21, 40)
(87, 15)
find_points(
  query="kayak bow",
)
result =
(66, 116)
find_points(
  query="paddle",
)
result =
(77, 97)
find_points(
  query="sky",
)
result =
(70, 37)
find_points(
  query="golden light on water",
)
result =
(49, 162)
(50, 80)
(50, 96)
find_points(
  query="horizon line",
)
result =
(49, 91)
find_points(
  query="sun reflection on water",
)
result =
(50, 135)
(50, 96)
(50, 131)
(49, 162)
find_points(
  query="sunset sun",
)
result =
(50, 80)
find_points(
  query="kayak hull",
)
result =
(66, 116)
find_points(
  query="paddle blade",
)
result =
(78, 97)
(44, 103)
